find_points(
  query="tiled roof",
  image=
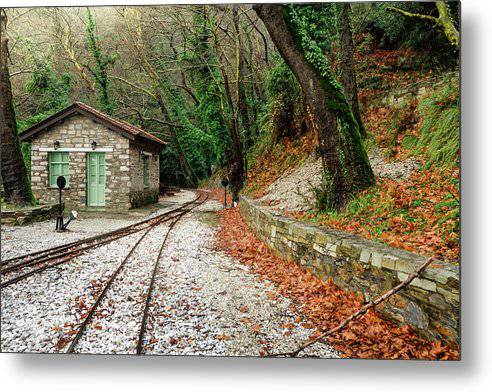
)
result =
(82, 108)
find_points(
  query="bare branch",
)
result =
(140, 88)
(360, 312)
(21, 72)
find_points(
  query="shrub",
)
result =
(142, 198)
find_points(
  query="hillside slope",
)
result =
(295, 190)
(413, 147)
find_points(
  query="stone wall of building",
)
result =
(140, 195)
(80, 131)
(431, 304)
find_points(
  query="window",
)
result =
(146, 170)
(58, 166)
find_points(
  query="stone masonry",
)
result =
(138, 194)
(124, 165)
(431, 304)
(27, 215)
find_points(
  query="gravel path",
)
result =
(37, 313)
(294, 191)
(19, 240)
(204, 302)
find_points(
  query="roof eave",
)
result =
(146, 139)
(62, 115)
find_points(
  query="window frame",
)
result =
(146, 170)
(64, 164)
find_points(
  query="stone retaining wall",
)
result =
(431, 304)
(20, 217)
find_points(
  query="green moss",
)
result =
(439, 135)
(299, 20)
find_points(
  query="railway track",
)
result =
(202, 198)
(39, 261)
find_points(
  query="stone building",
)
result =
(107, 163)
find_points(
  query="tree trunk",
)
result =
(242, 104)
(234, 154)
(236, 161)
(100, 69)
(15, 181)
(349, 79)
(447, 24)
(346, 168)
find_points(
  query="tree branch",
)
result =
(142, 89)
(444, 20)
(162, 122)
(360, 312)
(21, 72)
(413, 15)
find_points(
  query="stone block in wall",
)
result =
(430, 304)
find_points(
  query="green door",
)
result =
(96, 179)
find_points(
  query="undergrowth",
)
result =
(420, 214)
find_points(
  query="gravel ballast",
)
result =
(20, 240)
(204, 302)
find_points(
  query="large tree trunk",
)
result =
(242, 104)
(345, 163)
(15, 181)
(349, 79)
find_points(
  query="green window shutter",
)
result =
(59, 165)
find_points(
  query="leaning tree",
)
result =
(346, 168)
(15, 181)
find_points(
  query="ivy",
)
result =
(102, 62)
(304, 22)
(50, 90)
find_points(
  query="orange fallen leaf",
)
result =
(222, 337)
(256, 328)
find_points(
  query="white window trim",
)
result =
(76, 149)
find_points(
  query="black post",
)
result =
(224, 183)
(60, 183)
(60, 201)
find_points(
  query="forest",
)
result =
(251, 92)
